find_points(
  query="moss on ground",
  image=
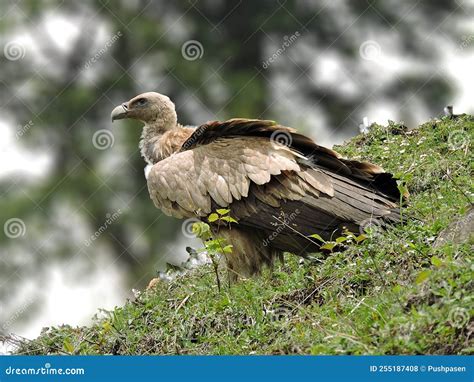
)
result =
(394, 293)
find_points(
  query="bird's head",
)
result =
(150, 108)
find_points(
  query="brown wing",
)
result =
(370, 174)
(195, 181)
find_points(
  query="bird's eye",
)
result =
(141, 102)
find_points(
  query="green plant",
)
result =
(214, 247)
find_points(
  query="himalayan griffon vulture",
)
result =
(279, 185)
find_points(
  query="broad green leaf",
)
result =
(212, 217)
(397, 288)
(229, 219)
(202, 230)
(213, 246)
(68, 346)
(349, 234)
(221, 242)
(329, 245)
(341, 239)
(222, 211)
(436, 261)
(228, 249)
(317, 237)
(422, 276)
(107, 326)
(360, 238)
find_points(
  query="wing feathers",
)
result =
(212, 173)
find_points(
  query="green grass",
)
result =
(394, 293)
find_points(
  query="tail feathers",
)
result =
(387, 184)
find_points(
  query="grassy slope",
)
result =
(391, 294)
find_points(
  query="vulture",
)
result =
(279, 185)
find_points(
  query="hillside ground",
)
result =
(396, 292)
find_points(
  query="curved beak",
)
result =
(120, 112)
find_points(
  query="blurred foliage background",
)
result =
(84, 231)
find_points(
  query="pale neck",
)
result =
(159, 142)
